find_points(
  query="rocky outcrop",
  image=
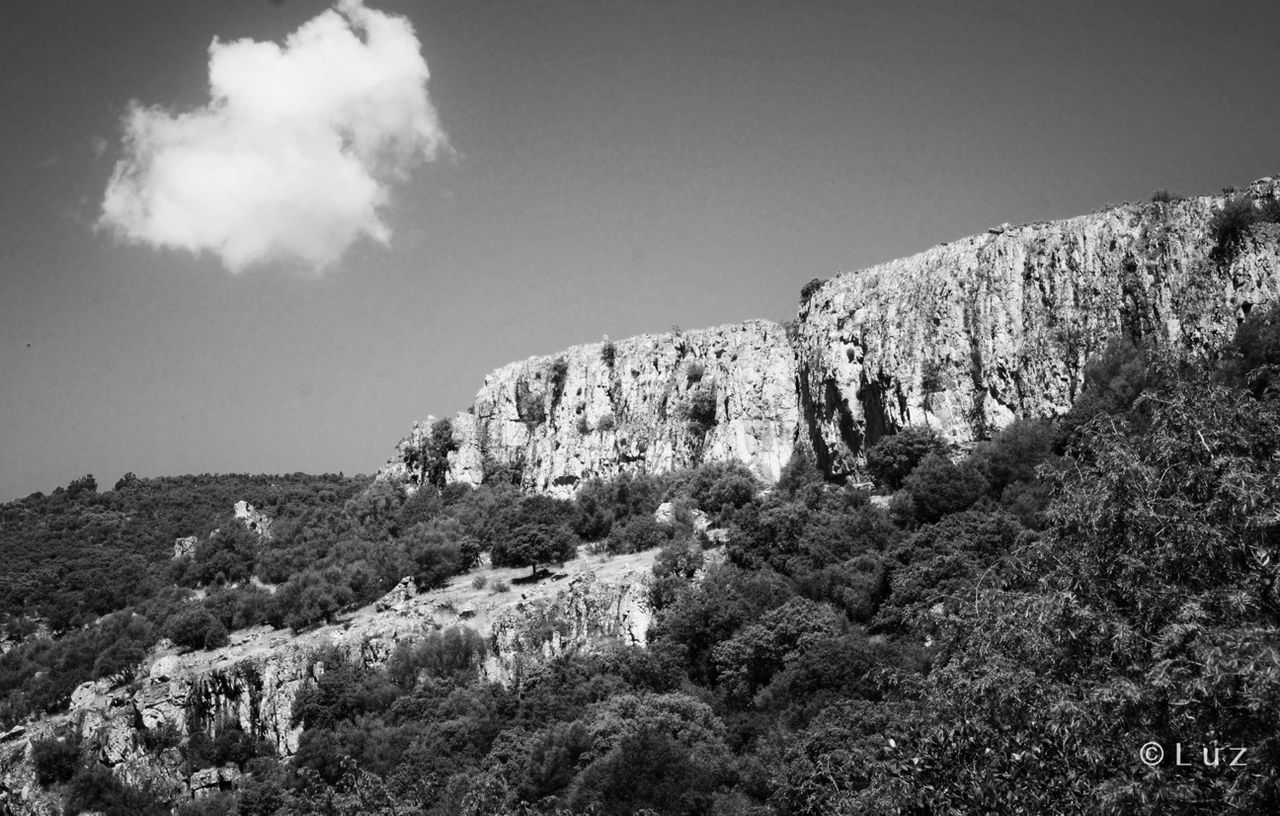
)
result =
(252, 683)
(255, 520)
(651, 403)
(964, 337)
(185, 547)
(586, 615)
(969, 335)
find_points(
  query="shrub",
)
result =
(456, 652)
(439, 445)
(557, 376)
(719, 488)
(501, 586)
(608, 353)
(1229, 227)
(55, 760)
(809, 288)
(700, 411)
(893, 458)
(940, 488)
(529, 405)
(583, 426)
(1164, 196)
(637, 535)
(1256, 352)
(601, 504)
(606, 423)
(191, 628)
(478, 582)
(216, 636)
(694, 372)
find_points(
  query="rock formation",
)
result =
(255, 520)
(969, 335)
(656, 402)
(253, 682)
(964, 337)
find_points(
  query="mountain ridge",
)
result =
(965, 337)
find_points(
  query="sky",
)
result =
(267, 235)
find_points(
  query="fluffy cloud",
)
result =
(294, 154)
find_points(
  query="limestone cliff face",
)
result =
(651, 403)
(969, 335)
(590, 612)
(253, 682)
(964, 337)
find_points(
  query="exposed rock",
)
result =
(399, 595)
(185, 547)
(964, 337)
(253, 684)
(256, 521)
(967, 336)
(562, 419)
(666, 514)
(209, 781)
(588, 614)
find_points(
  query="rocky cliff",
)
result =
(253, 683)
(969, 335)
(652, 403)
(964, 337)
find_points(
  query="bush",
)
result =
(1164, 196)
(457, 652)
(809, 288)
(1255, 362)
(501, 586)
(694, 372)
(600, 504)
(1230, 225)
(939, 488)
(892, 459)
(608, 353)
(479, 582)
(557, 376)
(637, 535)
(193, 627)
(606, 423)
(530, 406)
(700, 411)
(1014, 454)
(719, 488)
(55, 760)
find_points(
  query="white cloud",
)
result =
(293, 157)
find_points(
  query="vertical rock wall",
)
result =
(657, 402)
(967, 336)
(964, 337)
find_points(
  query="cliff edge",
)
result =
(964, 337)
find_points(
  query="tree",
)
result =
(532, 544)
(938, 487)
(1149, 611)
(891, 460)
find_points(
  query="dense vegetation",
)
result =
(1002, 635)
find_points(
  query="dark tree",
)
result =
(534, 544)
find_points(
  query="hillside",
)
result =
(1060, 544)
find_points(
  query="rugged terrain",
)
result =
(254, 681)
(964, 337)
